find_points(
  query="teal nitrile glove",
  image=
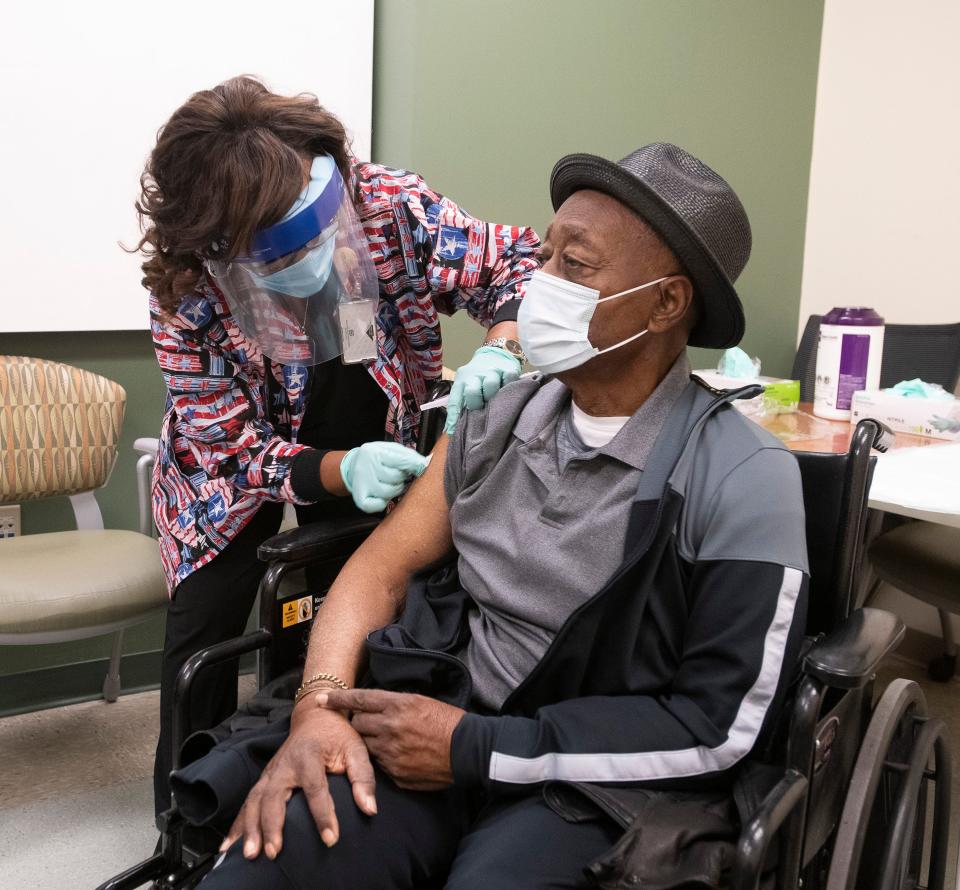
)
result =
(479, 380)
(377, 472)
(920, 389)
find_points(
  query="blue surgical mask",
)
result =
(308, 275)
(305, 277)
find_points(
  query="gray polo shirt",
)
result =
(546, 530)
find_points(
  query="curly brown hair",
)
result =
(229, 161)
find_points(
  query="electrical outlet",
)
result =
(10, 521)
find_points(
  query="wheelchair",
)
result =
(860, 796)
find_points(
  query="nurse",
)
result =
(294, 298)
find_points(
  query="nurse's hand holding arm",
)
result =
(492, 367)
(373, 474)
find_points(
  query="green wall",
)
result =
(482, 99)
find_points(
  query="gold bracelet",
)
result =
(308, 685)
(306, 689)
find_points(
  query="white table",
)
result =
(919, 477)
(919, 482)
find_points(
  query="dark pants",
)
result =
(423, 840)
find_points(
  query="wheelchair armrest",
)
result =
(847, 657)
(318, 540)
(757, 834)
(212, 655)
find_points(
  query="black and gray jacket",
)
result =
(673, 672)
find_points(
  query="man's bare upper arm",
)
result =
(417, 533)
(373, 583)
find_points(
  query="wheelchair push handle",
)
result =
(873, 434)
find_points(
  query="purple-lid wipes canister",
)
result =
(848, 359)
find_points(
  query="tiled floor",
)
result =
(76, 793)
(77, 841)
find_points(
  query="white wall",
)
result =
(883, 222)
(84, 87)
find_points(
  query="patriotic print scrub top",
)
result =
(228, 439)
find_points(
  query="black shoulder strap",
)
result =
(669, 443)
(670, 460)
(671, 455)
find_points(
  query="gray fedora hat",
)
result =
(692, 208)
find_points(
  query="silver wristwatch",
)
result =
(511, 346)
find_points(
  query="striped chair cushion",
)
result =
(59, 428)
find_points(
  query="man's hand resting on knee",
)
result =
(320, 742)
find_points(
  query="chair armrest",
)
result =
(146, 445)
(757, 834)
(148, 449)
(847, 657)
(318, 540)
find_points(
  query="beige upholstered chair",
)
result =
(923, 559)
(59, 429)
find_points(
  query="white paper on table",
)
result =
(923, 478)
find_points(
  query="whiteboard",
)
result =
(84, 87)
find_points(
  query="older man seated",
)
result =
(624, 608)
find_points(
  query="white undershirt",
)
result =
(595, 431)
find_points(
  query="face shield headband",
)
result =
(313, 212)
(300, 278)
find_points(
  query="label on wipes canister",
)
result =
(852, 376)
(848, 361)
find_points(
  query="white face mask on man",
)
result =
(554, 321)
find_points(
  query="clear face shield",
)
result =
(307, 291)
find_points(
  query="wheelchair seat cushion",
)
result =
(65, 581)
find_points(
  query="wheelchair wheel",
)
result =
(885, 811)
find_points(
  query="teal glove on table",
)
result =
(479, 380)
(377, 472)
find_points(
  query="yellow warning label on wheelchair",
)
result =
(296, 611)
